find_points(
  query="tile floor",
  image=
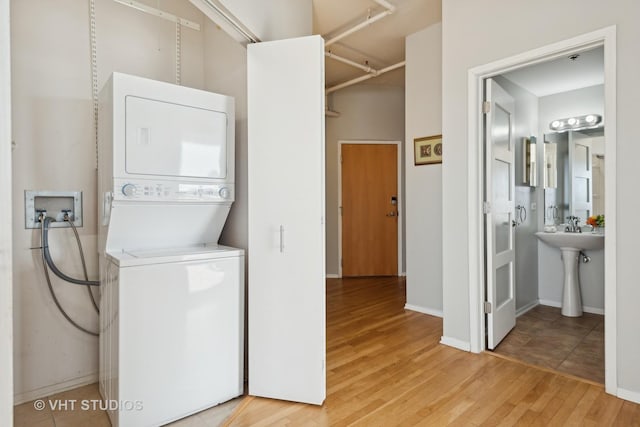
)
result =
(544, 337)
(26, 414)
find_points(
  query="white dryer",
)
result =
(172, 307)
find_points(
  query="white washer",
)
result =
(174, 335)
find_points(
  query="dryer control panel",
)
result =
(167, 191)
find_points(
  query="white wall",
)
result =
(273, 19)
(6, 301)
(526, 242)
(53, 131)
(474, 34)
(229, 77)
(367, 112)
(551, 278)
(225, 71)
(423, 195)
(589, 100)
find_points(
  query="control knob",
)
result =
(129, 190)
(224, 192)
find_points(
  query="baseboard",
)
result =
(403, 274)
(423, 310)
(527, 307)
(593, 310)
(632, 396)
(54, 389)
(456, 343)
(550, 303)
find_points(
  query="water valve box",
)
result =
(55, 204)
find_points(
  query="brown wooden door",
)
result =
(369, 210)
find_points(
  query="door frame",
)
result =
(604, 37)
(398, 192)
(6, 281)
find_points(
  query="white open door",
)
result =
(286, 255)
(499, 189)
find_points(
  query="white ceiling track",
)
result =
(389, 9)
(159, 13)
(217, 13)
(371, 72)
(365, 77)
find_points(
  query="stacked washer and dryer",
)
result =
(172, 308)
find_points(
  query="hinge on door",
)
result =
(486, 207)
(340, 158)
(486, 107)
(487, 307)
(341, 263)
(340, 207)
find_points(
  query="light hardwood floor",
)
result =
(385, 367)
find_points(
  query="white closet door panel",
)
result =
(286, 220)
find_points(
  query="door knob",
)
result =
(392, 214)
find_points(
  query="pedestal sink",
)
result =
(570, 244)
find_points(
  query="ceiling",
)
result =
(381, 43)
(561, 74)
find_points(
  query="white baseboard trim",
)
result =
(54, 389)
(593, 310)
(455, 343)
(632, 396)
(550, 303)
(403, 274)
(423, 310)
(527, 307)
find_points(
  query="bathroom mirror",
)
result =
(528, 169)
(573, 175)
(550, 171)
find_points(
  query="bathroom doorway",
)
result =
(528, 211)
(569, 88)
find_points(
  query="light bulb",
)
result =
(590, 118)
(572, 121)
(555, 124)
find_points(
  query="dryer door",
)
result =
(165, 139)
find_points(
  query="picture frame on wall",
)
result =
(427, 150)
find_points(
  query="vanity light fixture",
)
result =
(576, 123)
